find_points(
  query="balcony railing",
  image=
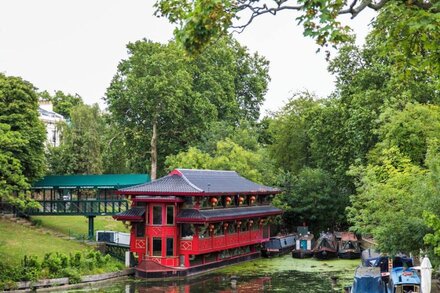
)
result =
(222, 242)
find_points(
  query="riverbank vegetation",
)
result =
(28, 254)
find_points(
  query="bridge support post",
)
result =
(91, 227)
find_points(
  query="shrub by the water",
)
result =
(57, 265)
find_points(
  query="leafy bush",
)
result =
(57, 265)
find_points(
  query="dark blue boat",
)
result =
(278, 245)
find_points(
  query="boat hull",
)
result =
(325, 254)
(349, 255)
(302, 253)
(274, 252)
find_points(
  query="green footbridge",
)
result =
(85, 195)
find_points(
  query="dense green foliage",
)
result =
(81, 147)
(22, 139)
(372, 145)
(162, 99)
(202, 21)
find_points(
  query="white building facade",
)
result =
(51, 121)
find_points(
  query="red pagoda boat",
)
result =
(194, 220)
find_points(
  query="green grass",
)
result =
(16, 241)
(78, 225)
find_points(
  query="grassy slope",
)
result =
(78, 225)
(16, 241)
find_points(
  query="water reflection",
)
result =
(287, 281)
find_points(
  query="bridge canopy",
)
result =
(106, 181)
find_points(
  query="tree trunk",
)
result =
(154, 152)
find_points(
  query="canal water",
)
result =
(278, 274)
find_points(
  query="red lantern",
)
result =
(252, 199)
(228, 200)
(251, 222)
(240, 200)
(261, 222)
(211, 227)
(214, 201)
(225, 226)
(238, 223)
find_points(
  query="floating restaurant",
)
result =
(193, 220)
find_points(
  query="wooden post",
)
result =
(91, 227)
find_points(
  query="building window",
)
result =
(140, 229)
(170, 215)
(187, 231)
(170, 246)
(157, 215)
(157, 246)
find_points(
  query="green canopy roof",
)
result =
(107, 181)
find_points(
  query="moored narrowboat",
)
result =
(403, 280)
(326, 246)
(304, 246)
(348, 247)
(278, 245)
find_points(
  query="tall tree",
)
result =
(19, 110)
(80, 151)
(22, 138)
(166, 100)
(151, 94)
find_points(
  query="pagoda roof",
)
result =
(225, 214)
(135, 214)
(198, 183)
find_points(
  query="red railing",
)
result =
(216, 243)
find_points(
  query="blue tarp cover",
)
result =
(367, 279)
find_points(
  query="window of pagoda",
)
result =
(203, 231)
(157, 215)
(156, 246)
(169, 247)
(170, 215)
(187, 231)
(140, 229)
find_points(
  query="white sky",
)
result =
(75, 45)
